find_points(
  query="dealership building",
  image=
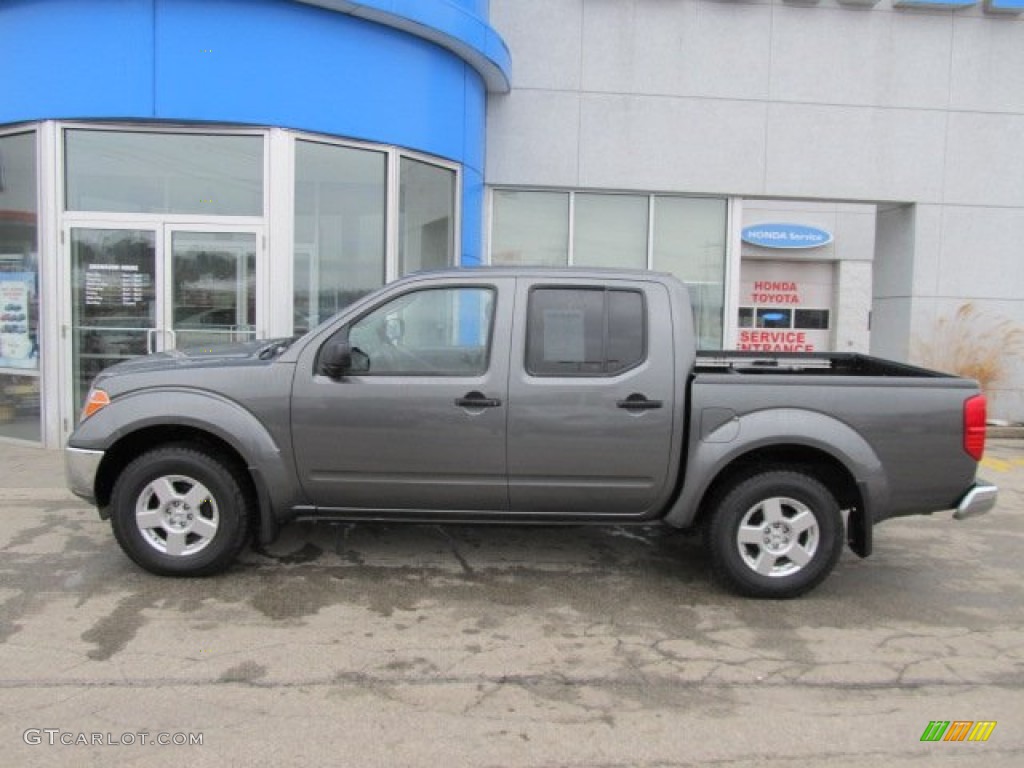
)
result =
(826, 175)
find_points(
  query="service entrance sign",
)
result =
(786, 306)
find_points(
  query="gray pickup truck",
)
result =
(525, 396)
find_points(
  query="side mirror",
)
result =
(339, 357)
(336, 359)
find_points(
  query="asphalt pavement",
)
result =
(378, 645)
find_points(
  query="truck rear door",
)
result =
(591, 397)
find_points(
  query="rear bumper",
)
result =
(80, 467)
(977, 501)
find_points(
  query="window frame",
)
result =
(604, 374)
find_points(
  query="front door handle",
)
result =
(477, 400)
(638, 402)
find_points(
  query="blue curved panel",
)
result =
(459, 25)
(66, 58)
(259, 62)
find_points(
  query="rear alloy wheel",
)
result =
(776, 534)
(179, 511)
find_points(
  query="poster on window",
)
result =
(17, 345)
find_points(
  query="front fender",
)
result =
(205, 411)
(724, 441)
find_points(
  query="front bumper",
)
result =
(80, 467)
(977, 501)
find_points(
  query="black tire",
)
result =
(180, 511)
(776, 534)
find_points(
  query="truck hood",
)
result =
(258, 352)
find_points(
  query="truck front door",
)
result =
(419, 421)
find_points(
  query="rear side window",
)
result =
(585, 331)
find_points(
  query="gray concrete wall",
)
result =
(769, 99)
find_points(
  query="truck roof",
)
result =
(542, 271)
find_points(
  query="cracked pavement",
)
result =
(367, 645)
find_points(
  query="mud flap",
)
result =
(859, 527)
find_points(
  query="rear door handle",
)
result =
(638, 402)
(477, 400)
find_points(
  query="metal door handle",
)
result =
(477, 400)
(638, 402)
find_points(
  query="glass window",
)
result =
(689, 242)
(811, 319)
(340, 204)
(584, 331)
(530, 228)
(774, 318)
(611, 231)
(746, 319)
(435, 332)
(113, 309)
(625, 330)
(19, 289)
(426, 217)
(141, 172)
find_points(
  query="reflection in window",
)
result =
(214, 287)
(811, 319)
(340, 201)
(530, 228)
(689, 242)
(113, 283)
(143, 172)
(426, 217)
(584, 331)
(19, 289)
(610, 231)
(774, 318)
(436, 332)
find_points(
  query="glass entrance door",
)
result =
(148, 289)
(114, 306)
(212, 287)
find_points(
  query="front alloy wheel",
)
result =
(180, 510)
(177, 515)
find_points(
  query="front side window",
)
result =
(584, 331)
(433, 332)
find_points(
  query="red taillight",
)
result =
(974, 426)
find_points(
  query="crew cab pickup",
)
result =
(525, 396)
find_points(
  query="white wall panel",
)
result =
(677, 49)
(533, 138)
(982, 48)
(544, 37)
(985, 158)
(977, 253)
(669, 144)
(835, 55)
(854, 152)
